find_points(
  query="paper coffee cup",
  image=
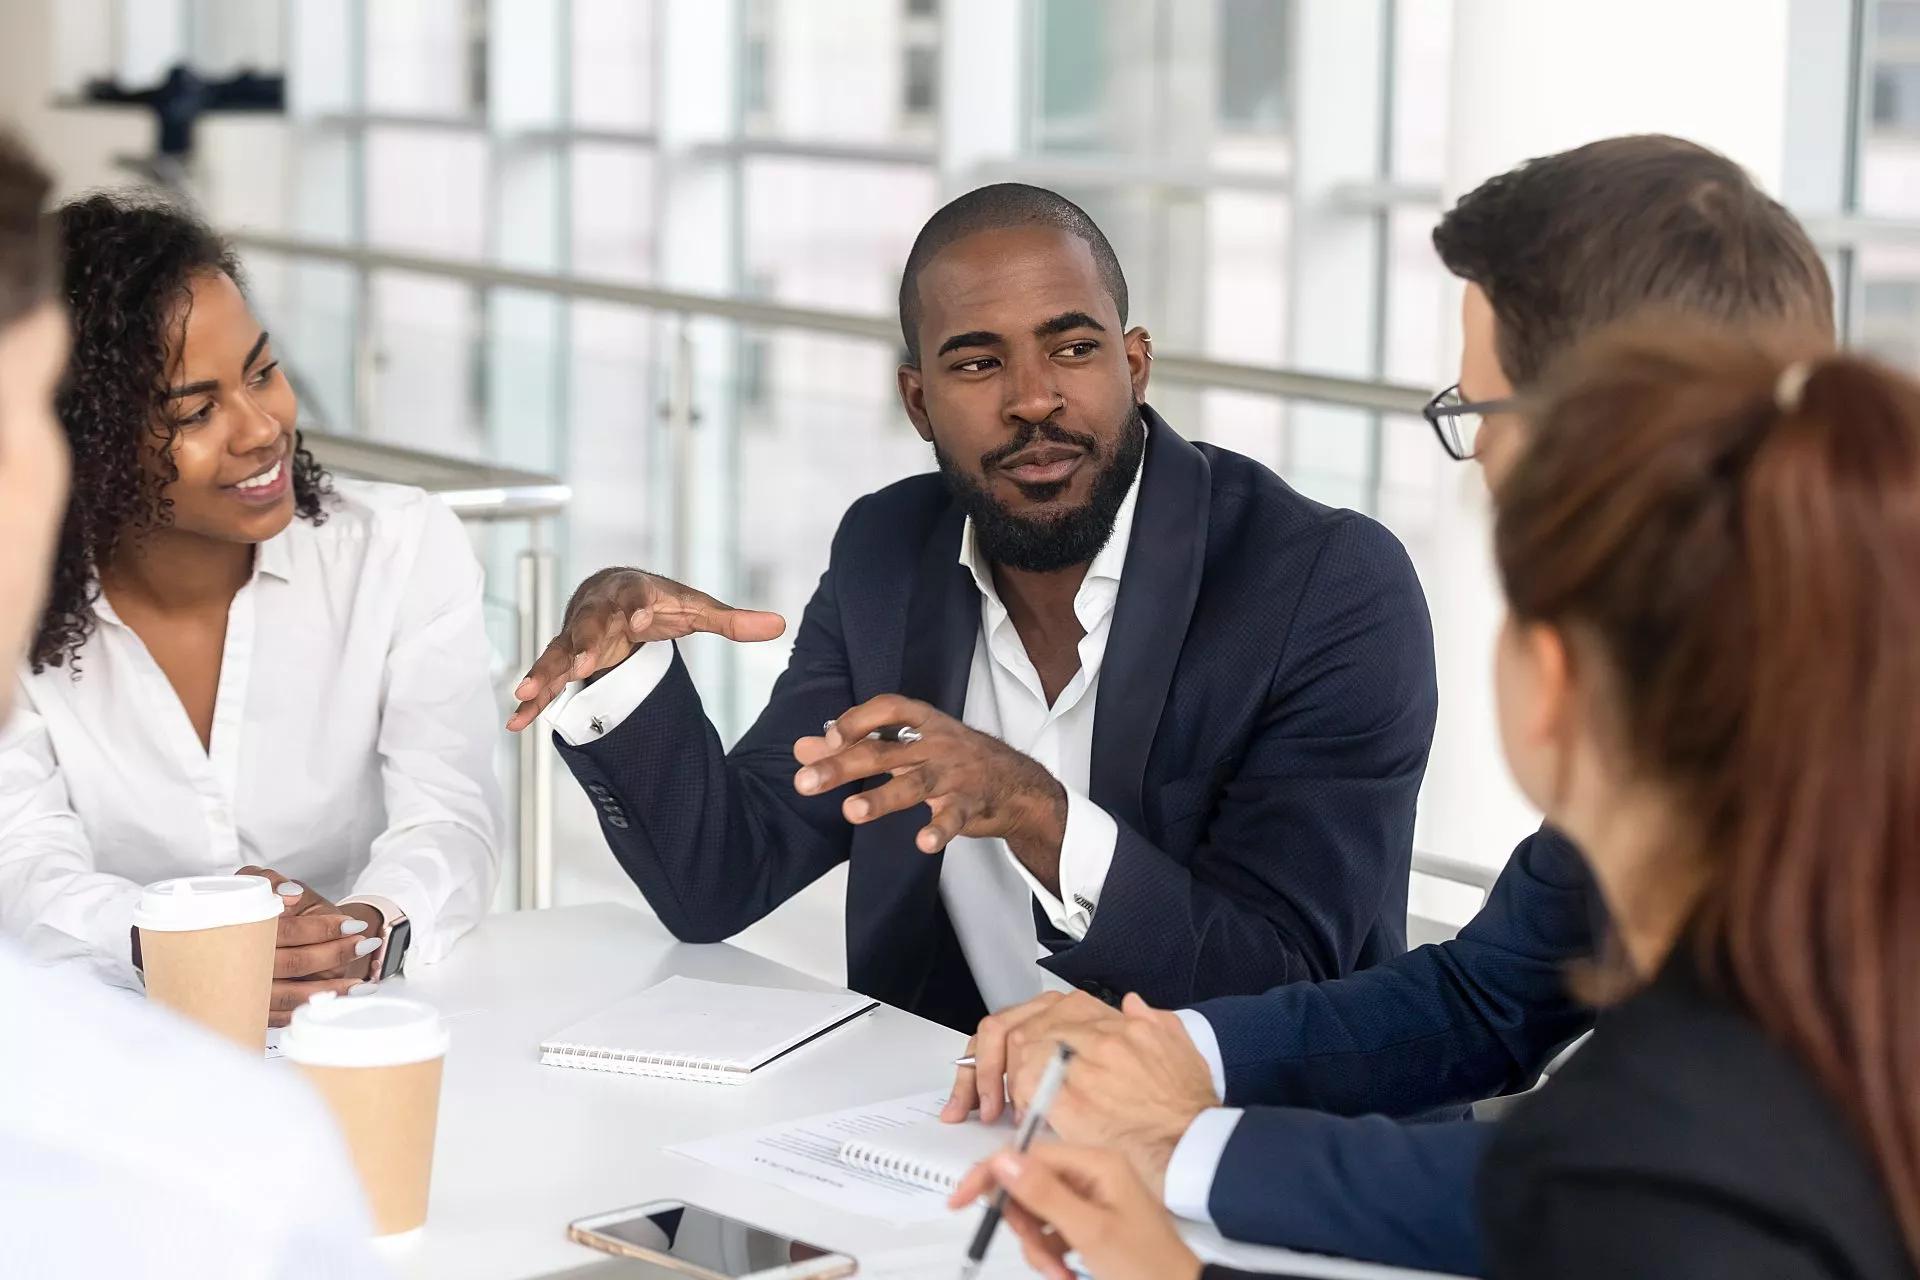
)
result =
(206, 945)
(376, 1060)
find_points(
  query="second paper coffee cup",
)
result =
(206, 946)
(376, 1060)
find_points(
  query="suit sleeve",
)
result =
(1443, 1025)
(717, 839)
(1311, 840)
(1361, 1187)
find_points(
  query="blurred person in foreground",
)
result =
(1707, 678)
(1312, 1149)
(243, 665)
(130, 1143)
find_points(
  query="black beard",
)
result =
(1048, 544)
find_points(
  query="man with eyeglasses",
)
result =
(1315, 1149)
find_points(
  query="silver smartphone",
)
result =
(686, 1240)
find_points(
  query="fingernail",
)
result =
(353, 926)
(363, 988)
(856, 808)
(366, 946)
(807, 780)
(1007, 1165)
(288, 889)
(525, 689)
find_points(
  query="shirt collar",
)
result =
(274, 558)
(1107, 564)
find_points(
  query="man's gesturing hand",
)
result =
(975, 785)
(615, 612)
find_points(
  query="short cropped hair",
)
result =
(26, 231)
(994, 208)
(1567, 244)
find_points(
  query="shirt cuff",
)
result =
(1195, 1161)
(1207, 1044)
(385, 906)
(1086, 854)
(586, 712)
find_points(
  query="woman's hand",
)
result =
(1089, 1202)
(320, 947)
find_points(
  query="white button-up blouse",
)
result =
(352, 748)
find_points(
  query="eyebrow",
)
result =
(1065, 321)
(1062, 323)
(201, 388)
(976, 338)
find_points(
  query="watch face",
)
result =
(396, 957)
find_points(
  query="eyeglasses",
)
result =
(1457, 421)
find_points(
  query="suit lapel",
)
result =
(900, 886)
(1158, 588)
(943, 621)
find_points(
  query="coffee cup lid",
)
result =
(363, 1031)
(205, 902)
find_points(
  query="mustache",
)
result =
(1051, 432)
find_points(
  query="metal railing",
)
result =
(1288, 384)
(483, 493)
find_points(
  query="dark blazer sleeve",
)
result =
(1308, 847)
(1362, 1187)
(1584, 1225)
(1445, 1024)
(716, 840)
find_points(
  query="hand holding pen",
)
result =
(1059, 1200)
(1056, 1075)
(971, 783)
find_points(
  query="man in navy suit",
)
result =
(1310, 1149)
(1102, 709)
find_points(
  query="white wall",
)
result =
(1531, 77)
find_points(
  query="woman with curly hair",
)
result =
(243, 665)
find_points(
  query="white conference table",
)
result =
(525, 1149)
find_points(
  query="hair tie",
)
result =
(1792, 385)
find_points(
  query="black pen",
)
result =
(1050, 1082)
(891, 733)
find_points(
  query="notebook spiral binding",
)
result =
(899, 1168)
(590, 1058)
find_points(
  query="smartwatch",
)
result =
(393, 956)
(391, 960)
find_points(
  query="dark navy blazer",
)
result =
(1265, 708)
(1323, 1159)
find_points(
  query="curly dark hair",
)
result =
(130, 262)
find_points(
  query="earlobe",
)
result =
(913, 398)
(1139, 344)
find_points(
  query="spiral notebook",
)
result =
(931, 1155)
(712, 1032)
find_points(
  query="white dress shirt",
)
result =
(352, 746)
(134, 1144)
(988, 893)
(1196, 1158)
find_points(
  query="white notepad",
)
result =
(930, 1154)
(714, 1032)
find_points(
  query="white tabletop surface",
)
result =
(524, 1149)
